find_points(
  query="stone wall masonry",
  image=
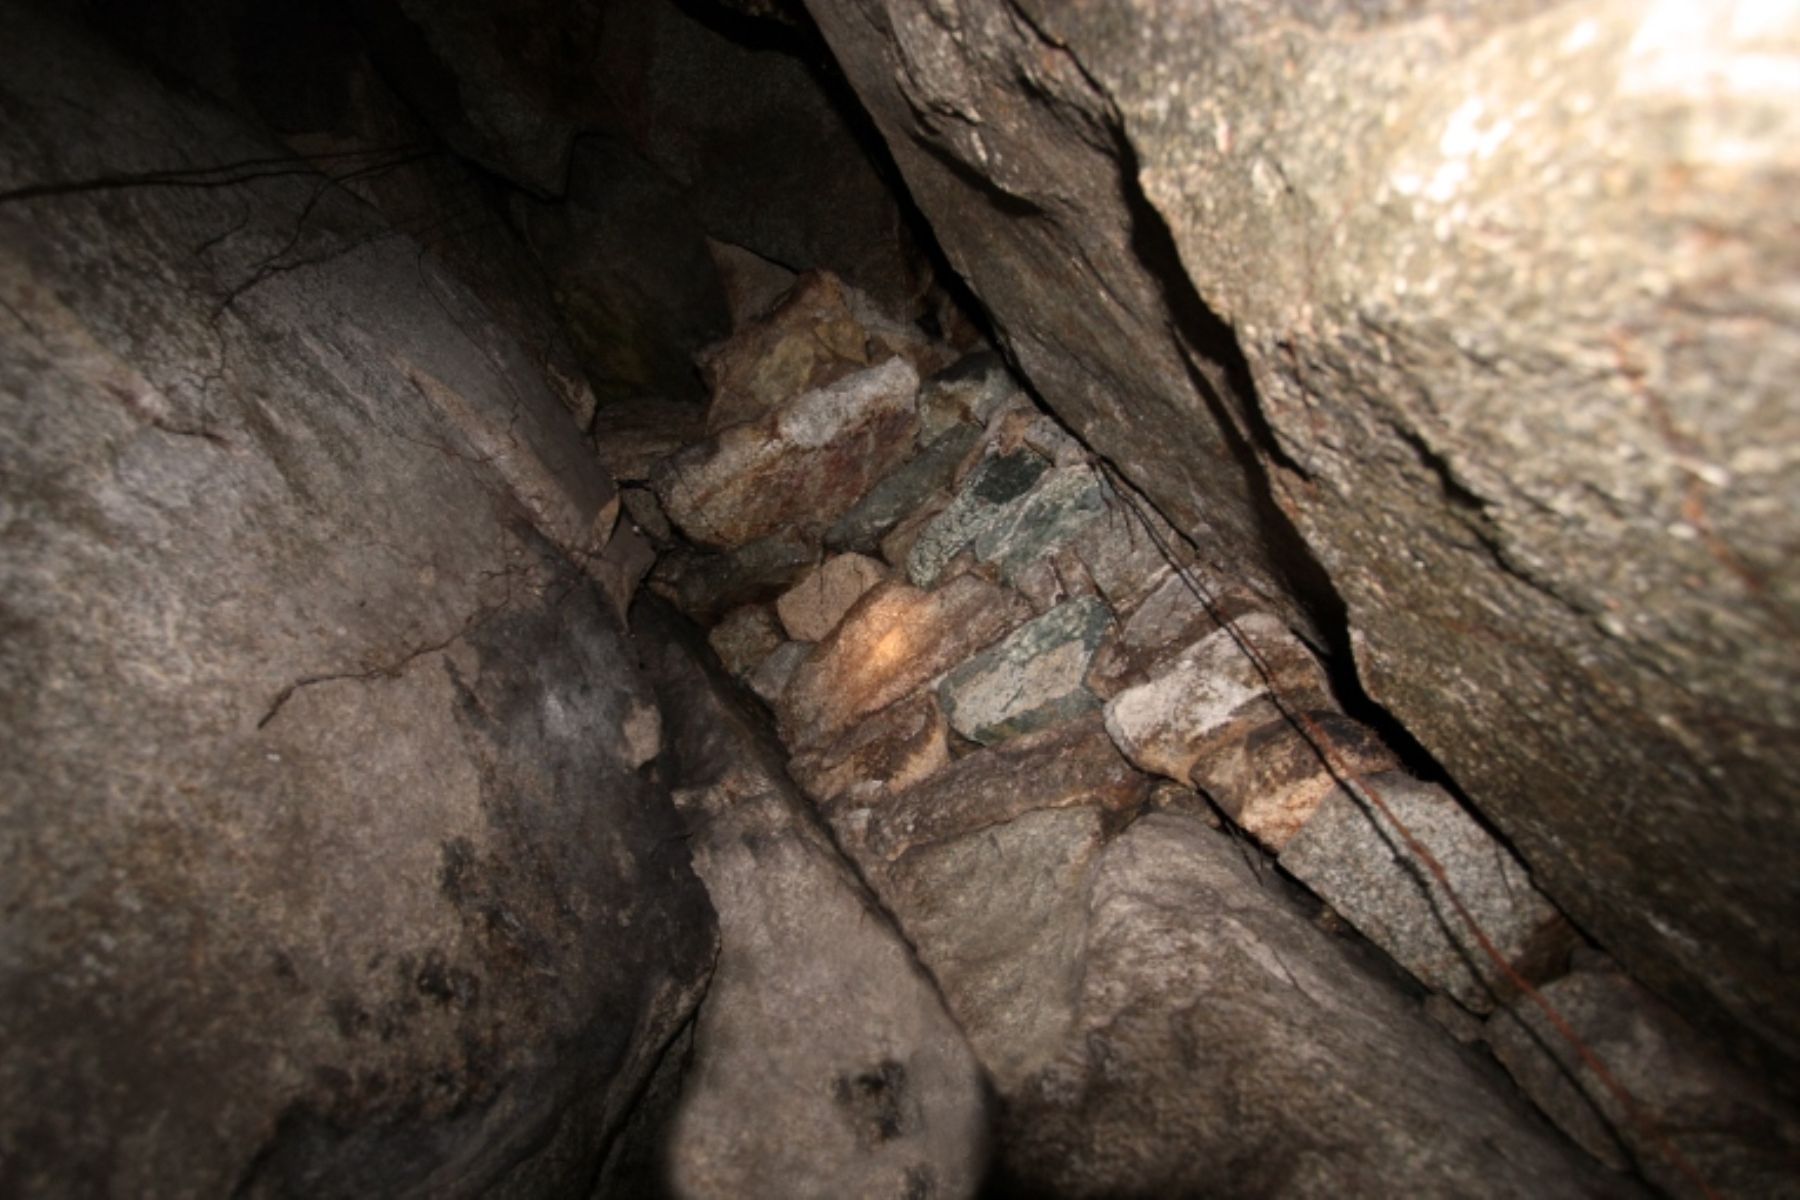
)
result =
(978, 728)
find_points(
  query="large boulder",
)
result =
(1222, 1046)
(825, 1062)
(1495, 304)
(326, 864)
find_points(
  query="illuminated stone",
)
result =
(893, 642)
(803, 465)
(892, 750)
(812, 608)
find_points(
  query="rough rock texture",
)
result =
(1147, 642)
(1008, 950)
(968, 391)
(320, 816)
(1222, 1046)
(772, 676)
(826, 1064)
(705, 586)
(1064, 502)
(1213, 695)
(1005, 145)
(1350, 854)
(1074, 765)
(812, 608)
(891, 751)
(1512, 287)
(1727, 1128)
(982, 502)
(904, 491)
(896, 639)
(820, 332)
(803, 465)
(1032, 679)
(744, 637)
(631, 436)
(1273, 780)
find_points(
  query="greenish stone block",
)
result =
(1052, 513)
(902, 491)
(1032, 679)
(989, 489)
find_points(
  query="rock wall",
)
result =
(977, 714)
(1494, 303)
(326, 864)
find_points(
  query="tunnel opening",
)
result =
(718, 598)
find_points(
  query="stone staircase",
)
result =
(1064, 750)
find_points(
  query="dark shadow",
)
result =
(1237, 410)
(803, 41)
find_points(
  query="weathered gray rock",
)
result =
(1212, 696)
(985, 866)
(1008, 148)
(1721, 1123)
(1498, 300)
(1052, 580)
(1351, 854)
(904, 491)
(1000, 919)
(1031, 680)
(889, 752)
(1065, 501)
(1224, 1046)
(320, 817)
(812, 608)
(771, 678)
(897, 545)
(744, 637)
(803, 465)
(1022, 422)
(643, 511)
(1147, 643)
(824, 1061)
(1134, 551)
(990, 487)
(893, 642)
